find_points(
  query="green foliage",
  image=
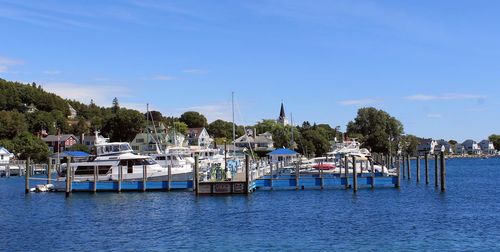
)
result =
(220, 129)
(7, 144)
(80, 147)
(124, 125)
(194, 119)
(314, 140)
(17, 96)
(12, 123)
(409, 144)
(496, 141)
(26, 145)
(116, 106)
(81, 127)
(377, 127)
(453, 142)
(181, 127)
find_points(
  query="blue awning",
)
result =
(283, 152)
(74, 154)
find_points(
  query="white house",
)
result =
(150, 141)
(199, 137)
(283, 155)
(5, 156)
(448, 148)
(471, 147)
(427, 146)
(487, 147)
(262, 141)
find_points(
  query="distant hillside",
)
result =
(19, 96)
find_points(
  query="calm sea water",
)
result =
(417, 217)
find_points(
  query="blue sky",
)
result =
(432, 64)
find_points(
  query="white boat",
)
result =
(110, 160)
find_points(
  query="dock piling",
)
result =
(346, 161)
(297, 176)
(144, 178)
(403, 166)
(426, 157)
(27, 176)
(271, 176)
(408, 167)
(436, 176)
(247, 173)
(96, 172)
(195, 175)
(169, 177)
(49, 170)
(443, 172)
(398, 171)
(68, 176)
(372, 167)
(418, 168)
(120, 172)
(355, 175)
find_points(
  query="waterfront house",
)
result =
(283, 155)
(150, 141)
(448, 148)
(199, 137)
(260, 142)
(471, 147)
(427, 146)
(5, 156)
(459, 149)
(72, 112)
(60, 142)
(487, 147)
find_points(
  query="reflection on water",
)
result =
(416, 217)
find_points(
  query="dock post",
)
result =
(95, 178)
(297, 176)
(321, 179)
(169, 177)
(346, 161)
(144, 178)
(49, 169)
(398, 172)
(408, 167)
(195, 175)
(443, 172)
(373, 173)
(271, 177)
(120, 171)
(27, 176)
(426, 157)
(418, 168)
(403, 166)
(436, 176)
(247, 173)
(355, 175)
(68, 176)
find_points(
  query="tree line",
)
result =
(21, 125)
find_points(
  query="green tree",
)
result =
(80, 147)
(12, 123)
(220, 129)
(41, 120)
(181, 127)
(26, 145)
(496, 141)
(194, 119)
(124, 125)
(377, 127)
(116, 106)
(409, 144)
(81, 127)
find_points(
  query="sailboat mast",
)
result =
(234, 125)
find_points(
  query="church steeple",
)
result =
(282, 118)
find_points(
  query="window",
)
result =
(139, 140)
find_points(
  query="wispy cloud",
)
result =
(433, 115)
(211, 111)
(6, 63)
(101, 94)
(447, 96)
(359, 102)
(195, 71)
(163, 77)
(51, 72)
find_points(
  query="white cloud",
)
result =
(359, 102)
(101, 94)
(5, 63)
(431, 115)
(163, 77)
(51, 72)
(195, 71)
(447, 96)
(211, 111)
